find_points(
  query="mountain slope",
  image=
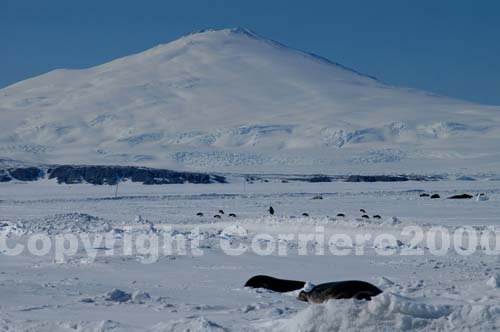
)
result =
(232, 100)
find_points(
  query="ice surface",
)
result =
(174, 292)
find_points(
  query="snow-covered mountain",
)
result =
(232, 100)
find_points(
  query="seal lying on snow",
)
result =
(274, 284)
(461, 196)
(350, 289)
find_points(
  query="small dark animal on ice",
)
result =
(461, 196)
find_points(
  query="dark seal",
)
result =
(461, 196)
(274, 284)
(350, 289)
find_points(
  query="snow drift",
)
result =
(389, 312)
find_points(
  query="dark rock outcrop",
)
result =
(312, 178)
(351, 178)
(376, 178)
(320, 178)
(4, 176)
(113, 174)
(26, 173)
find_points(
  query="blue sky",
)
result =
(447, 47)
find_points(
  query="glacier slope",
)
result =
(232, 100)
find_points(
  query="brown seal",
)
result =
(274, 284)
(350, 289)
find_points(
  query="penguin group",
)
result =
(366, 216)
(271, 212)
(219, 214)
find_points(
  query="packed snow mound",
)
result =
(200, 324)
(55, 326)
(73, 222)
(482, 197)
(494, 281)
(233, 100)
(389, 312)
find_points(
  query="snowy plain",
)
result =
(176, 292)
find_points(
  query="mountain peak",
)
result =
(231, 100)
(248, 33)
(236, 31)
